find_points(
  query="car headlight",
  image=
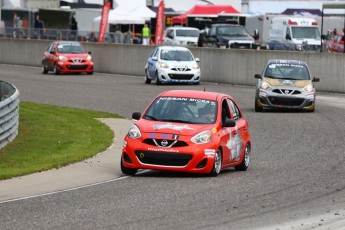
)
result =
(89, 58)
(163, 65)
(62, 58)
(202, 137)
(134, 132)
(265, 85)
(308, 88)
(299, 47)
(196, 66)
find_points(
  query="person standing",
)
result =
(146, 35)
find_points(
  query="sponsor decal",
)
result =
(214, 130)
(235, 145)
(171, 126)
(163, 150)
(287, 82)
(211, 152)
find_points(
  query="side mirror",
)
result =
(136, 115)
(258, 76)
(52, 52)
(288, 37)
(229, 123)
(197, 59)
(89, 52)
(154, 59)
(256, 34)
(316, 79)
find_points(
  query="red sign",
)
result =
(104, 21)
(159, 23)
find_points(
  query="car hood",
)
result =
(147, 126)
(179, 64)
(285, 82)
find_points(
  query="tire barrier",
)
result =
(9, 113)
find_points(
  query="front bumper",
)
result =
(190, 159)
(70, 67)
(174, 76)
(278, 98)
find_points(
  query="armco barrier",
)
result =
(9, 113)
(217, 65)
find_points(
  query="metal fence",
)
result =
(68, 35)
(9, 113)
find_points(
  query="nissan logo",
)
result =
(164, 142)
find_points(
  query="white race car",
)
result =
(172, 64)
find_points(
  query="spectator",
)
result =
(74, 27)
(146, 35)
(38, 24)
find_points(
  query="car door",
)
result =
(226, 134)
(151, 63)
(51, 56)
(241, 132)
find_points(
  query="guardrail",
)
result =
(9, 113)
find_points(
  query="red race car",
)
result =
(188, 131)
(67, 57)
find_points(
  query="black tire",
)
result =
(128, 171)
(257, 107)
(44, 69)
(217, 165)
(55, 69)
(245, 161)
(158, 82)
(147, 79)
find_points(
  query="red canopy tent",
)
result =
(204, 10)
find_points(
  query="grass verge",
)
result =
(53, 136)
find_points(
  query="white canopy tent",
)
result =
(143, 12)
(118, 16)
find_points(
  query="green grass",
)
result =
(51, 137)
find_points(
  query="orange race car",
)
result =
(188, 131)
(67, 57)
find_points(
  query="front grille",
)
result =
(157, 142)
(181, 76)
(286, 101)
(241, 45)
(286, 91)
(163, 158)
(181, 69)
(77, 67)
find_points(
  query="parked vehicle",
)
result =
(172, 64)
(301, 33)
(188, 131)
(67, 57)
(182, 36)
(336, 44)
(285, 84)
(223, 35)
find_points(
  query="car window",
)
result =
(176, 55)
(52, 48)
(187, 33)
(154, 53)
(170, 34)
(70, 48)
(234, 110)
(185, 110)
(225, 111)
(287, 71)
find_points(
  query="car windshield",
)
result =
(187, 33)
(176, 55)
(305, 32)
(287, 71)
(232, 31)
(70, 48)
(182, 110)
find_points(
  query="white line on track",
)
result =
(69, 189)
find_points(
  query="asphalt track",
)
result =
(296, 179)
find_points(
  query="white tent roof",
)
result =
(119, 16)
(143, 12)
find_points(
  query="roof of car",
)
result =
(291, 62)
(174, 47)
(193, 93)
(182, 28)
